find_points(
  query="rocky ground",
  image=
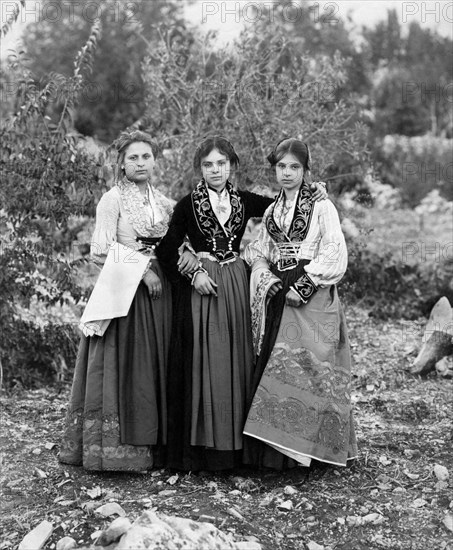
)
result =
(398, 494)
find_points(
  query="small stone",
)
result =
(448, 521)
(374, 518)
(114, 531)
(441, 485)
(66, 543)
(290, 490)
(110, 509)
(95, 492)
(441, 472)
(354, 521)
(233, 512)
(37, 537)
(419, 503)
(312, 545)
(235, 492)
(36, 451)
(207, 519)
(286, 506)
(95, 536)
(411, 475)
(173, 479)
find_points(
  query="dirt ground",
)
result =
(390, 498)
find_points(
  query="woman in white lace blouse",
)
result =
(300, 406)
(116, 418)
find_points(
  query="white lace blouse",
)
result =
(121, 216)
(324, 244)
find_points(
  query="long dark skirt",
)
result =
(210, 370)
(116, 418)
(301, 391)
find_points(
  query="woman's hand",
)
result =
(293, 299)
(276, 287)
(319, 192)
(153, 282)
(187, 263)
(204, 285)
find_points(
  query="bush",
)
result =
(47, 183)
(392, 289)
(416, 166)
(255, 94)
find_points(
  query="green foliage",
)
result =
(112, 97)
(403, 276)
(416, 165)
(256, 94)
(411, 76)
(387, 288)
(46, 181)
(36, 355)
(12, 18)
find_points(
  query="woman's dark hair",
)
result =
(127, 138)
(295, 147)
(219, 143)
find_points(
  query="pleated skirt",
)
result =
(301, 398)
(210, 372)
(116, 419)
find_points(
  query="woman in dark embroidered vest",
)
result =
(211, 360)
(300, 404)
(117, 410)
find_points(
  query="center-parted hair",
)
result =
(218, 143)
(128, 138)
(293, 146)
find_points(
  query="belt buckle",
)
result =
(284, 264)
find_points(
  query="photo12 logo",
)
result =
(427, 12)
(55, 11)
(266, 11)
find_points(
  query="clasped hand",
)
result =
(187, 263)
(204, 285)
(292, 299)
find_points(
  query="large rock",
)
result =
(153, 531)
(37, 538)
(437, 338)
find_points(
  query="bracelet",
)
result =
(148, 267)
(195, 273)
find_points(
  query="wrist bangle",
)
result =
(148, 267)
(195, 273)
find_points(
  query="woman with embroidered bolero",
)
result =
(117, 410)
(211, 363)
(300, 404)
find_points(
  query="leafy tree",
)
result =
(113, 97)
(256, 93)
(411, 79)
(47, 184)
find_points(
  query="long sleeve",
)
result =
(168, 250)
(259, 249)
(105, 232)
(331, 258)
(256, 204)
